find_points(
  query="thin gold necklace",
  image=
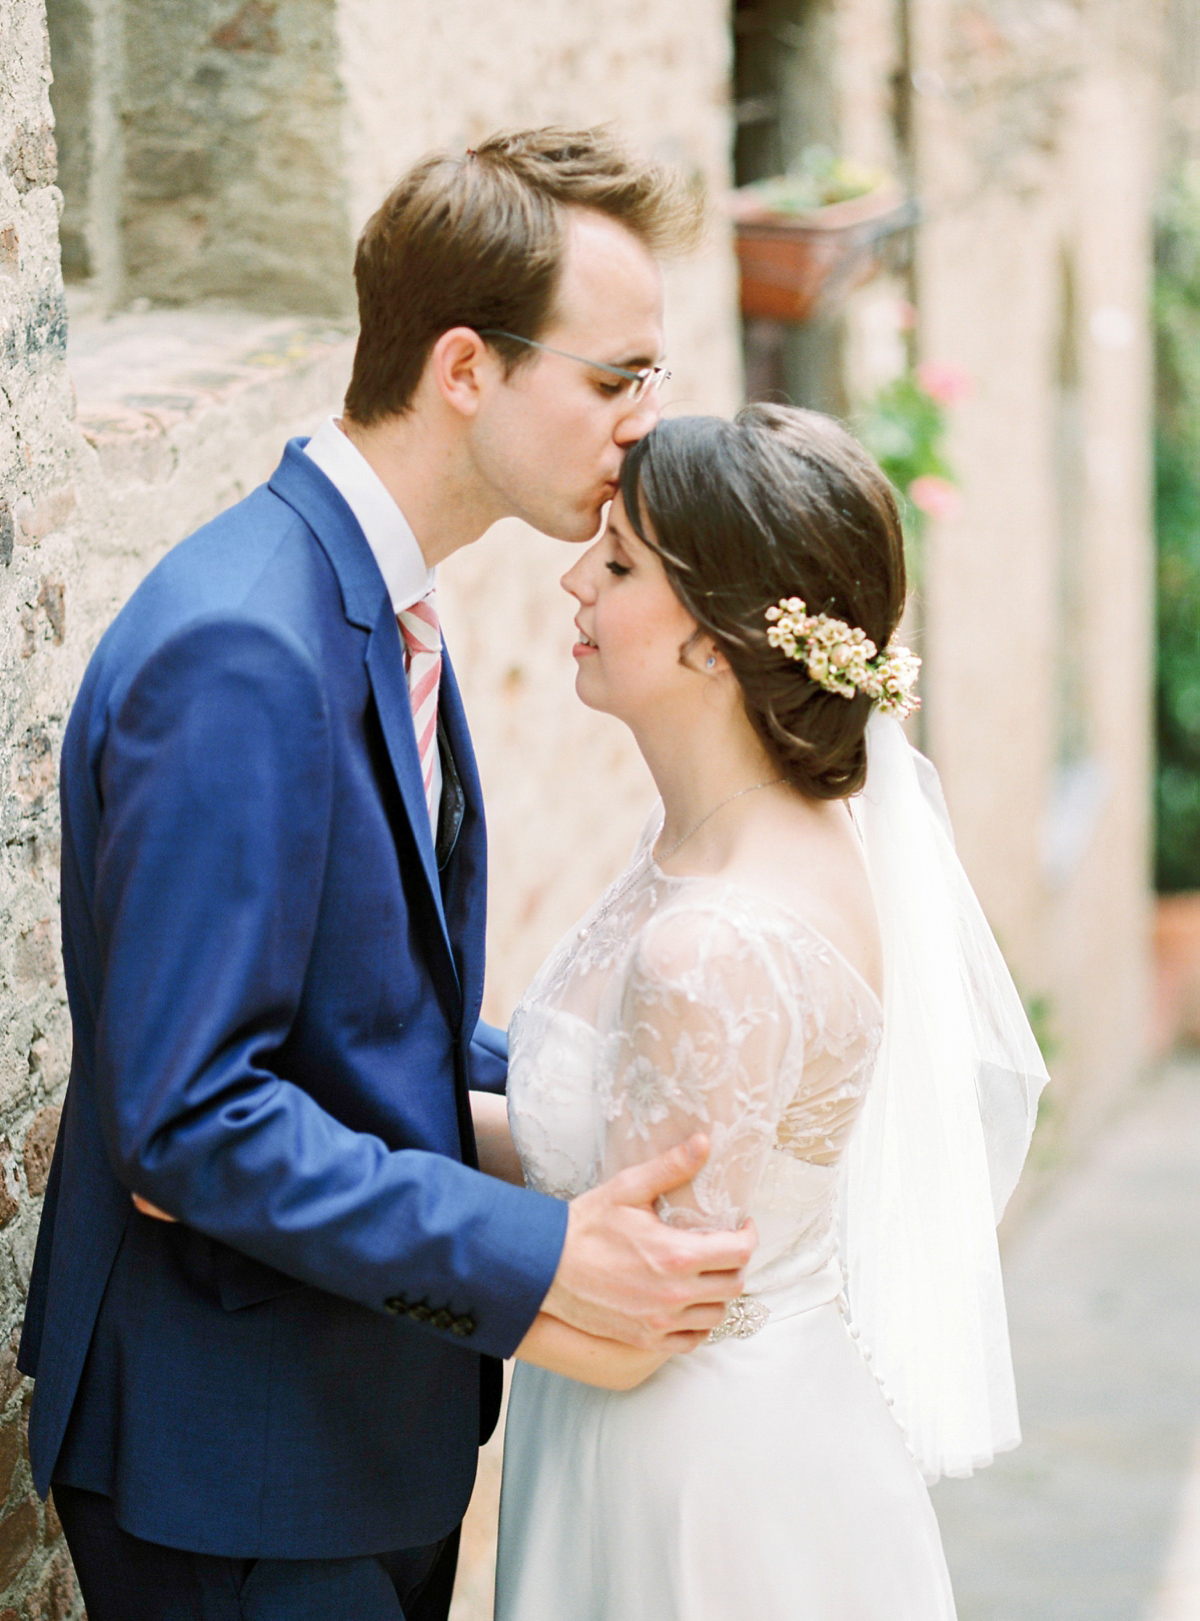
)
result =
(753, 789)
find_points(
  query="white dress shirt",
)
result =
(387, 531)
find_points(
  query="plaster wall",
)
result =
(1037, 160)
(566, 791)
(1030, 133)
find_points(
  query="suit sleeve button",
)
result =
(395, 1304)
(443, 1318)
(420, 1313)
(463, 1326)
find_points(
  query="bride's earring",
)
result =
(710, 662)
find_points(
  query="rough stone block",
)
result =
(10, 1201)
(10, 1452)
(10, 1374)
(32, 769)
(52, 600)
(32, 158)
(37, 519)
(39, 1148)
(53, 1598)
(35, 957)
(54, 1526)
(251, 28)
(18, 1539)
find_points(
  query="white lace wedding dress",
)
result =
(763, 1477)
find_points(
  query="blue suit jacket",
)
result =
(275, 995)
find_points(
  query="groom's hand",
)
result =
(625, 1275)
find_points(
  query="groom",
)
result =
(273, 925)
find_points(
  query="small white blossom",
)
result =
(842, 658)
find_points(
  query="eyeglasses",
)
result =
(646, 380)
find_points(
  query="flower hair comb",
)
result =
(842, 658)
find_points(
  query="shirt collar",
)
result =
(386, 528)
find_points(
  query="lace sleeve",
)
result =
(698, 1031)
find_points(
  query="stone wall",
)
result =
(178, 416)
(38, 461)
(202, 152)
(234, 183)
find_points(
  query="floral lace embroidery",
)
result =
(703, 1005)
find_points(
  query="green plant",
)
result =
(1177, 529)
(818, 178)
(1040, 1012)
(904, 427)
(1046, 1149)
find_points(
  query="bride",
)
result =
(794, 966)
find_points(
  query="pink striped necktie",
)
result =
(422, 633)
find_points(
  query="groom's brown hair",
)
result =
(478, 240)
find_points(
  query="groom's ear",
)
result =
(460, 366)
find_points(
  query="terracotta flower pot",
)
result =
(1177, 972)
(788, 261)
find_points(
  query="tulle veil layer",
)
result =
(944, 1131)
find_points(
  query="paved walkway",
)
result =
(1096, 1517)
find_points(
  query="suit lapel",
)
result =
(465, 876)
(453, 805)
(366, 603)
(452, 718)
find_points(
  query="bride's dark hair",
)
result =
(777, 503)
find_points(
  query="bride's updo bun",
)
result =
(778, 503)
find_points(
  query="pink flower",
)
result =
(944, 382)
(936, 496)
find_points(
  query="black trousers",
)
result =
(126, 1579)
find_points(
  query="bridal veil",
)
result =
(943, 1133)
